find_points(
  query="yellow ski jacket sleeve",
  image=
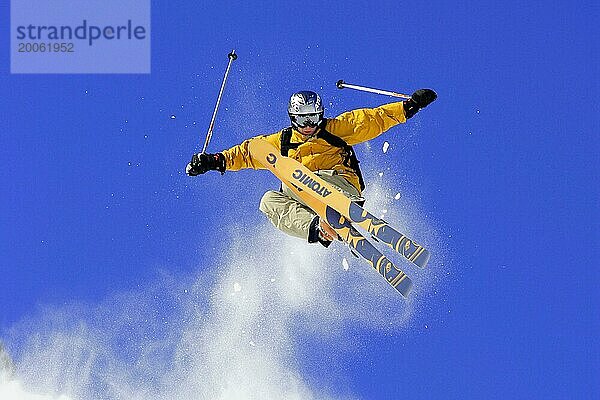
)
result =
(238, 157)
(354, 127)
(364, 124)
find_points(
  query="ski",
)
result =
(298, 175)
(342, 225)
(357, 242)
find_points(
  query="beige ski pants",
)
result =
(289, 213)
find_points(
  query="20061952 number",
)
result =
(46, 47)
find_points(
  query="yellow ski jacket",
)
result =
(354, 127)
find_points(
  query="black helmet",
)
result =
(305, 109)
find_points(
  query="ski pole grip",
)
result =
(340, 84)
(232, 55)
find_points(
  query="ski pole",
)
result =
(341, 85)
(232, 56)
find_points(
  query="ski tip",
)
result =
(422, 259)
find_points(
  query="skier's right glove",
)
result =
(419, 99)
(203, 162)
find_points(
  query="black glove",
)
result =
(203, 162)
(419, 99)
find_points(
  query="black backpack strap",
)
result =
(286, 144)
(286, 141)
(350, 159)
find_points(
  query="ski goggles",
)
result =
(306, 120)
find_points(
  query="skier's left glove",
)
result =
(203, 162)
(419, 99)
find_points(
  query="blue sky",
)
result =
(121, 275)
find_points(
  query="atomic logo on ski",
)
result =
(310, 183)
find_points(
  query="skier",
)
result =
(323, 145)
